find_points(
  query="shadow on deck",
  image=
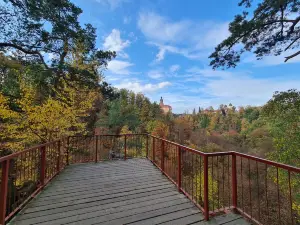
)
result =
(115, 192)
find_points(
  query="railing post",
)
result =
(206, 204)
(3, 193)
(153, 149)
(147, 145)
(234, 180)
(96, 152)
(43, 165)
(179, 169)
(58, 157)
(125, 147)
(68, 146)
(162, 155)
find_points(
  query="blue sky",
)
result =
(163, 48)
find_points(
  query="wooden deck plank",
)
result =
(114, 192)
(95, 193)
(185, 220)
(139, 217)
(107, 208)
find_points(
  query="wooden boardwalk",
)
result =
(114, 192)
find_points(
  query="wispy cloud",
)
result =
(174, 68)
(113, 4)
(145, 88)
(119, 67)
(175, 36)
(113, 42)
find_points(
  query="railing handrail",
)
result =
(266, 161)
(13, 155)
(269, 162)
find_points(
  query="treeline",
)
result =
(270, 131)
(127, 112)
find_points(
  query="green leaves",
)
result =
(271, 30)
(282, 114)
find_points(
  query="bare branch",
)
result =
(30, 52)
(292, 28)
(291, 56)
(282, 13)
(293, 42)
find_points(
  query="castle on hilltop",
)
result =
(164, 108)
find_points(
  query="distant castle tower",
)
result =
(164, 108)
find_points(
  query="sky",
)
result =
(163, 47)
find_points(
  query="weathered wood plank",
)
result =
(191, 219)
(100, 209)
(114, 192)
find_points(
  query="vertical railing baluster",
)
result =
(96, 151)
(3, 193)
(278, 196)
(206, 203)
(162, 155)
(68, 146)
(43, 165)
(290, 195)
(58, 156)
(249, 183)
(125, 147)
(153, 149)
(234, 181)
(258, 191)
(147, 145)
(179, 169)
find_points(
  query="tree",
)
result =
(47, 33)
(158, 128)
(282, 116)
(270, 30)
(37, 122)
(204, 121)
(108, 92)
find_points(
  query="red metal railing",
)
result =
(25, 173)
(264, 191)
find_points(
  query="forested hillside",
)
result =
(270, 131)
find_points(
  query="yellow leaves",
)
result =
(40, 121)
(158, 128)
(5, 111)
(198, 181)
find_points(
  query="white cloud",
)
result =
(119, 67)
(188, 53)
(158, 28)
(238, 88)
(191, 39)
(113, 4)
(174, 68)
(113, 42)
(197, 72)
(155, 74)
(145, 88)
